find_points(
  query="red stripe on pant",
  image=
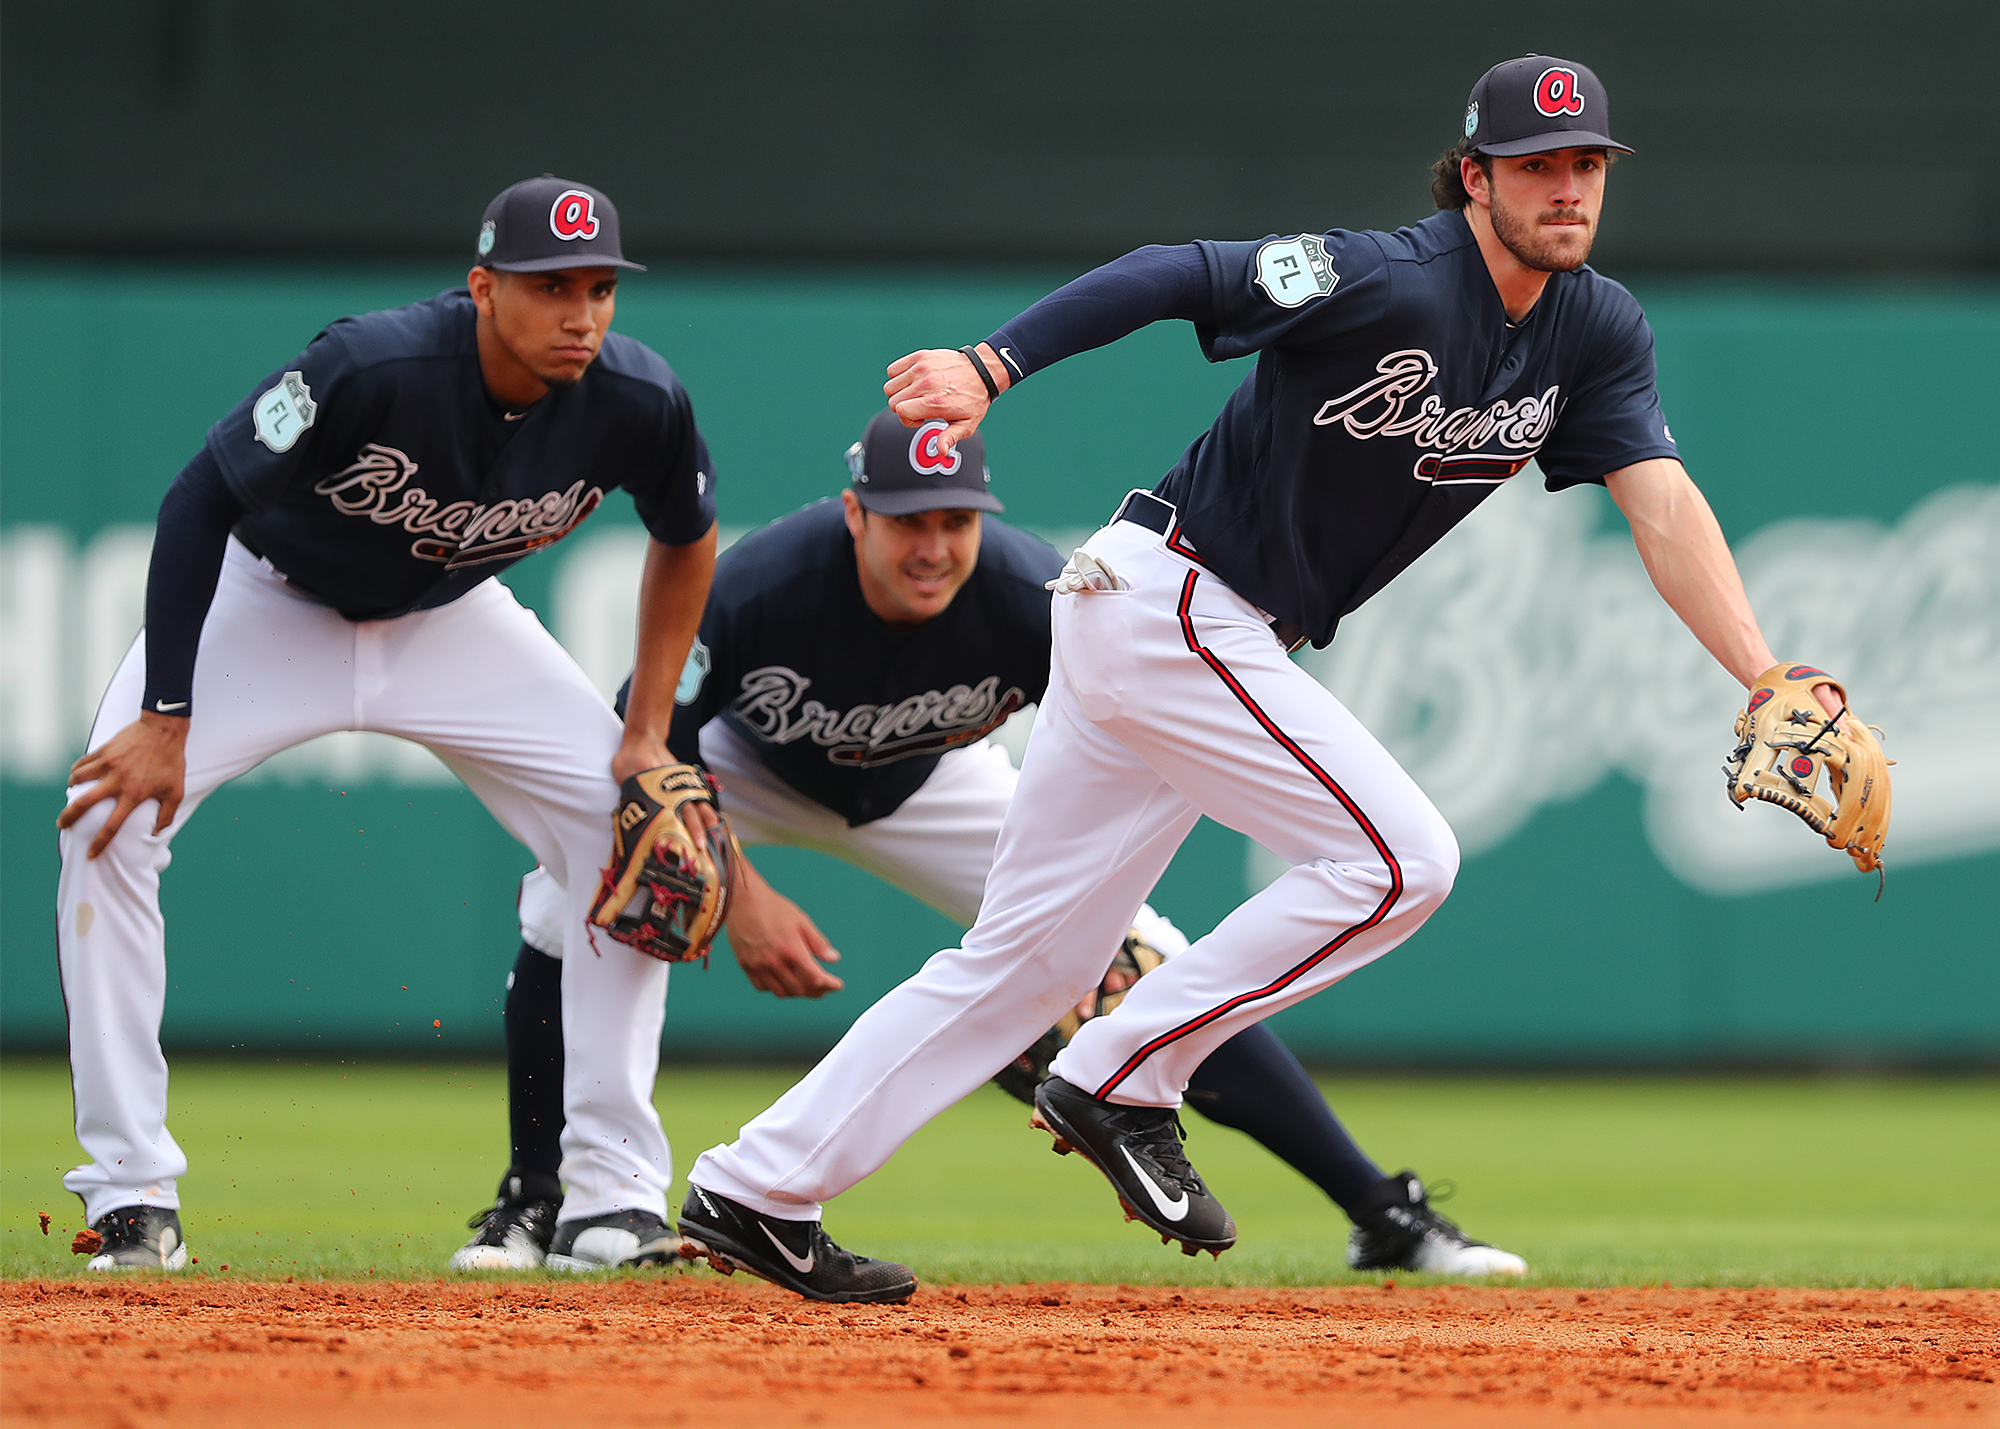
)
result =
(1284, 981)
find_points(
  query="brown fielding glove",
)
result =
(1136, 957)
(666, 889)
(1784, 739)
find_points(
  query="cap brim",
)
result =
(1549, 143)
(908, 503)
(557, 265)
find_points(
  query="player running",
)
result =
(1400, 378)
(853, 658)
(323, 564)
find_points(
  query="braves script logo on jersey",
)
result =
(572, 215)
(925, 454)
(929, 723)
(1449, 440)
(1556, 93)
(458, 533)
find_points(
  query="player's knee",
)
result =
(135, 841)
(1428, 861)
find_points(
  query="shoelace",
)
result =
(498, 1211)
(1165, 1148)
(1424, 1210)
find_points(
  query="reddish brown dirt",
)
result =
(691, 1350)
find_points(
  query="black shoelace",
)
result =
(1159, 1134)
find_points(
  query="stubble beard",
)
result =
(1538, 249)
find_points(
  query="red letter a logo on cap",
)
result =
(571, 216)
(1556, 93)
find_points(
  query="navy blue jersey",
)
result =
(379, 475)
(1391, 396)
(849, 711)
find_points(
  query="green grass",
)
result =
(328, 1169)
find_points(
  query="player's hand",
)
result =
(776, 944)
(1830, 701)
(1116, 980)
(637, 753)
(145, 760)
(939, 383)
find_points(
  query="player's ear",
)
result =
(1473, 175)
(857, 516)
(481, 282)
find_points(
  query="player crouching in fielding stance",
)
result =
(852, 660)
(323, 564)
(1400, 378)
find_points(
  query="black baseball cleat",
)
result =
(1138, 1148)
(139, 1238)
(617, 1238)
(514, 1232)
(1397, 1230)
(798, 1255)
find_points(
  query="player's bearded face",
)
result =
(1545, 207)
(911, 567)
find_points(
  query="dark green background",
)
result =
(1780, 136)
(299, 917)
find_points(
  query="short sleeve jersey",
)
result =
(1391, 396)
(847, 710)
(381, 477)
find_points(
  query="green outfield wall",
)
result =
(1612, 910)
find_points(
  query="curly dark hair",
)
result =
(1447, 184)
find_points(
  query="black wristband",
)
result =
(979, 366)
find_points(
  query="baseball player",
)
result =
(852, 660)
(323, 564)
(1400, 378)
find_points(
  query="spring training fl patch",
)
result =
(283, 413)
(1295, 270)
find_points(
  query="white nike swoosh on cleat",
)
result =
(1173, 1210)
(802, 1266)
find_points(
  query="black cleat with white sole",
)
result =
(1396, 1228)
(1138, 1148)
(798, 1255)
(514, 1232)
(617, 1238)
(139, 1238)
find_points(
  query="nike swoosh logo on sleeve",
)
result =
(1007, 356)
(1173, 1210)
(163, 707)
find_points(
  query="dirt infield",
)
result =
(688, 1349)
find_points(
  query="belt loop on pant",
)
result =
(1288, 635)
(1142, 508)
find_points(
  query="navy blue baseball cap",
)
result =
(541, 225)
(1536, 104)
(899, 470)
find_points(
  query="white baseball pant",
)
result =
(485, 687)
(1168, 698)
(937, 846)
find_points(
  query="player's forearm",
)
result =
(672, 592)
(1105, 304)
(1684, 552)
(195, 520)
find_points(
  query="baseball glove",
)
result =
(1784, 739)
(666, 889)
(1136, 957)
